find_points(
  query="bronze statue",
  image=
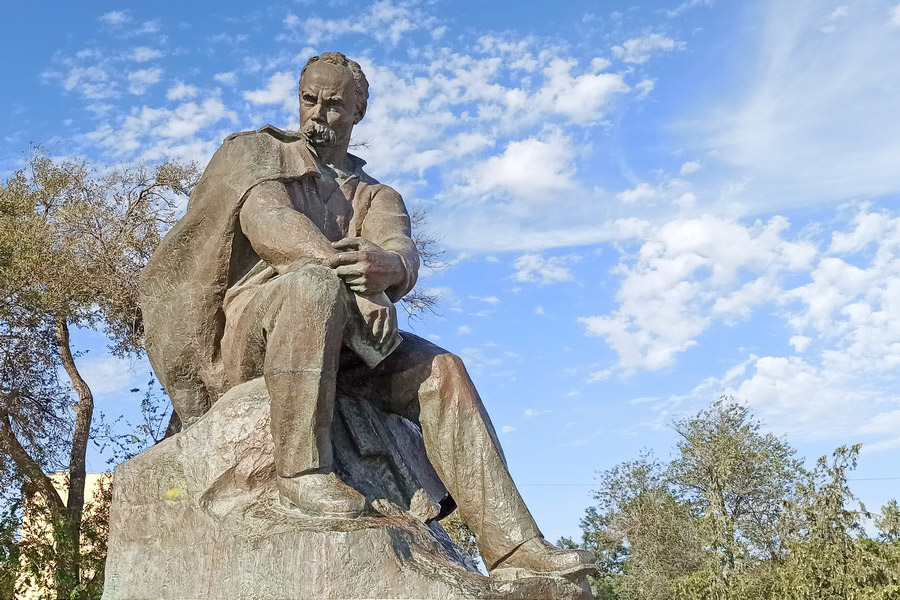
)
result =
(287, 265)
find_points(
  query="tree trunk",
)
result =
(37, 479)
(68, 568)
(174, 425)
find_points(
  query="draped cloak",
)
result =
(183, 285)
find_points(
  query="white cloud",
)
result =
(107, 375)
(644, 87)
(895, 15)
(840, 12)
(488, 299)
(582, 98)
(639, 50)
(688, 273)
(512, 170)
(180, 91)
(530, 412)
(143, 54)
(281, 89)
(687, 5)
(385, 21)
(538, 310)
(463, 329)
(814, 122)
(537, 269)
(690, 167)
(159, 133)
(642, 192)
(92, 82)
(228, 78)
(601, 375)
(507, 429)
(115, 17)
(800, 343)
(846, 321)
(140, 80)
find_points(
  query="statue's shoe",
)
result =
(321, 495)
(539, 558)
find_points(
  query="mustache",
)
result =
(319, 134)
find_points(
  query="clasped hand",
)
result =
(366, 267)
(368, 270)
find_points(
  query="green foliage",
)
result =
(72, 245)
(10, 524)
(888, 522)
(39, 546)
(460, 533)
(830, 556)
(734, 516)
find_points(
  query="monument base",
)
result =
(196, 517)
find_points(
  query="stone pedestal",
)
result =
(196, 517)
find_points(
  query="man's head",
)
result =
(333, 98)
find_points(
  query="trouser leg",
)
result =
(293, 329)
(431, 386)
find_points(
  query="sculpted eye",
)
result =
(309, 99)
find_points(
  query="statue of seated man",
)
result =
(286, 265)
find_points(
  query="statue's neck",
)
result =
(335, 156)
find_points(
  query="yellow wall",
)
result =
(33, 524)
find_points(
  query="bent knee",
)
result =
(448, 365)
(312, 282)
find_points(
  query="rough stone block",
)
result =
(196, 517)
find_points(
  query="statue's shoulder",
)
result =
(267, 131)
(265, 153)
(371, 183)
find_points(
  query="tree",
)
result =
(460, 533)
(888, 522)
(72, 244)
(419, 301)
(642, 534)
(736, 478)
(734, 516)
(710, 512)
(830, 557)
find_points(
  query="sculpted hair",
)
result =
(339, 59)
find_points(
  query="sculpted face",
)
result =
(328, 104)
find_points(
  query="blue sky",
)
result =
(643, 207)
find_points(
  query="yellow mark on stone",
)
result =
(173, 493)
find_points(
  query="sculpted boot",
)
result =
(321, 495)
(539, 558)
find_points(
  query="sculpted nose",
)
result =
(318, 112)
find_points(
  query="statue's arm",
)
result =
(387, 224)
(280, 234)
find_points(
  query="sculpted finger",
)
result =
(387, 331)
(347, 258)
(369, 319)
(391, 327)
(350, 243)
(349, 270)
(379, 326)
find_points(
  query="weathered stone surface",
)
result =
(197, 517)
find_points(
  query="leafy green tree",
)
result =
(642, 533)
(72, 244)
(830, 556)
(737, 478)
(460, 533)
(734, 516)
(888, 522)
